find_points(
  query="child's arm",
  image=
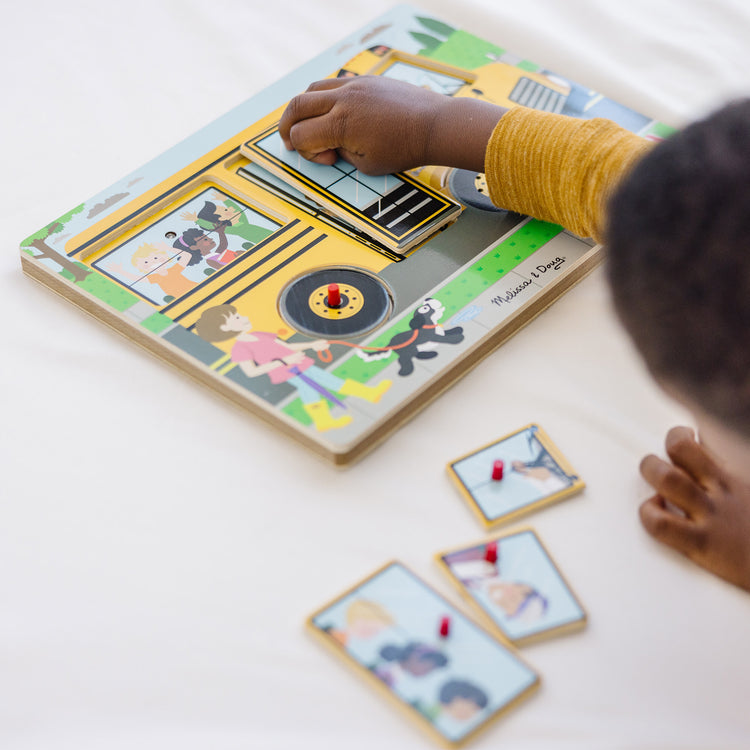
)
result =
(714, 531)
(223, 239)
(549, 166)
(381, 125)
(318, 345)
(118, 268)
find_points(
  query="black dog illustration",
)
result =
(422, 341)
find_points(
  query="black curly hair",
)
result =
(678, 262)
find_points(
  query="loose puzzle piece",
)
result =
(440, 667)
(519, 473)
(513, 581)
(395, 210)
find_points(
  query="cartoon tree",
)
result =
(38, 242)
(428, 41)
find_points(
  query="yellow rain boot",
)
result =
(322, 419)
(373, 394)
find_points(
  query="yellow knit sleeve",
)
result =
(559, 169)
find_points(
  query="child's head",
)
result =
(679, 264)
(418, 659)
(221, 323)
(208, 213)
(462, 700)
(218, 212)
(196, 242)
(517, 600)
(148, 257)
(365, 619)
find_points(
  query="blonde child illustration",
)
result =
(365, 620)
(156, 267)
(263, 353)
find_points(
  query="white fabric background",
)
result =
(152, 594)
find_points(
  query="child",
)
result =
(199, 245)
(676, 219)
(263, 353)
(154, 263)
(230, 217)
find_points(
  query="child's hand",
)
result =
(294, 358)
(714, 531)
(381, 125)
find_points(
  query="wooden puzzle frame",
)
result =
(497, 270)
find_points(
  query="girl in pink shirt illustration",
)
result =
(262, 353)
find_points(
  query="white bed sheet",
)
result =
(152, 592)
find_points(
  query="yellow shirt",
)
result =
(559, 169)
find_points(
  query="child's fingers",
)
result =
(676, 486)
(304, 107)
(314, 140)
(326, 84)
(669, 528)
(690, 456)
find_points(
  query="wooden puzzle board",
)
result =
(426, 293)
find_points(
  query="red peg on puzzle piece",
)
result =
(445, 627)
(497, 470)
(490, 552)
(334, 295)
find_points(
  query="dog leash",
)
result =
(326, 356)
